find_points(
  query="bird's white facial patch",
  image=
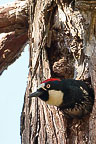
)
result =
(42, 86)
(55, 97)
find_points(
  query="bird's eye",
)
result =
(48, 86)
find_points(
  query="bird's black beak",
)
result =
(35, 94)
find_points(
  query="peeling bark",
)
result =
(13, 32)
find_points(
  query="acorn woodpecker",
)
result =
(74, 97)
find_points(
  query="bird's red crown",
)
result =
(51, 79)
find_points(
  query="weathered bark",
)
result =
(56, 50)
(88, 10)
(62, 44)
(13, 32)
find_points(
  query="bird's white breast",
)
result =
(55, 97)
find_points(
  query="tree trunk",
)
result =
(62, 44)
(88, 11)
(57, 49)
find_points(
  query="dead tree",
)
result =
(62, 44)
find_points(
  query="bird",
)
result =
(74, 97)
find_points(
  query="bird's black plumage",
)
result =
(78, 98)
